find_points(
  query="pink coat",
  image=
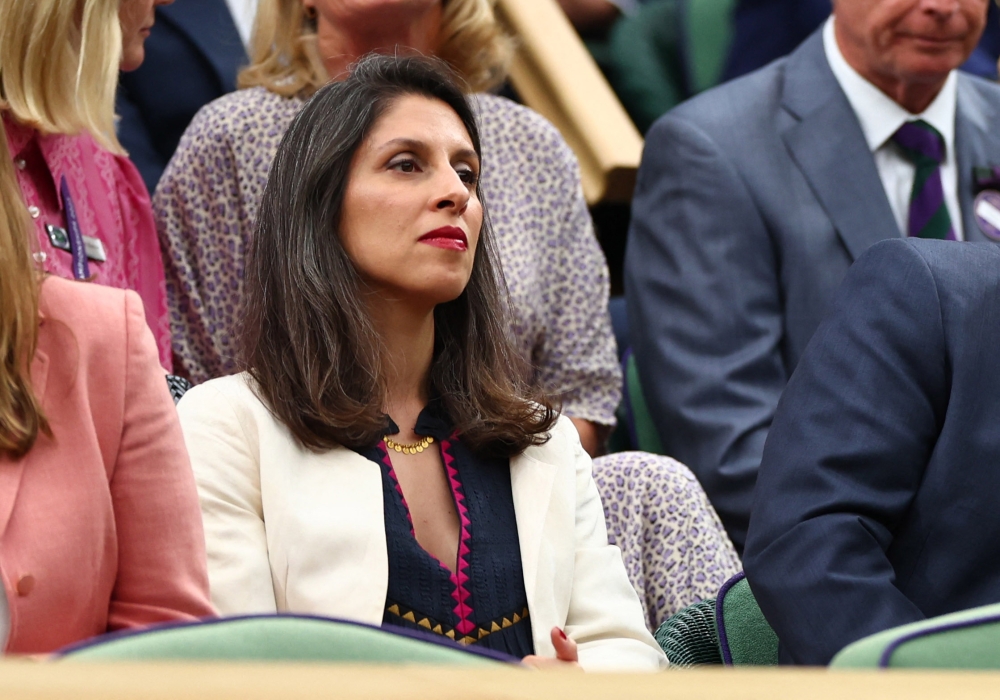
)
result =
(100, 527)
(112, 205)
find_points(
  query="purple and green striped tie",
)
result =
(923, 146)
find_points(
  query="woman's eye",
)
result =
(469, 177)
(404, 166)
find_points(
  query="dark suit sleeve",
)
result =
(845, 457)
(134, 135)
(705, 313)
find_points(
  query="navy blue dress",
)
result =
(484, 601)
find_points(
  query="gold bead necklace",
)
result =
(415, 448)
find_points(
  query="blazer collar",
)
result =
(531, 481)
(826, 142)
(210, 27)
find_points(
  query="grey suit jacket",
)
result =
(752, 201)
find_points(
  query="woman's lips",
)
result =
(447, 237)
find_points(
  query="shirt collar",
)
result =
(880, 116)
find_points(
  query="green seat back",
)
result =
(964, 640)
(644, 434)
(665, 52)
(643, 63)
(689, 637)
(708, 33)
(745, 637)
(275, 638)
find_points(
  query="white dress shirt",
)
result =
(881, 116)
(243, 12)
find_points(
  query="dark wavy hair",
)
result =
(308, 341)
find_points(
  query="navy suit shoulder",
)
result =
(193, 54)
(881, 454)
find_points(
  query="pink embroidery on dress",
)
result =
(460, 576)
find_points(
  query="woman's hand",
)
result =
(566, 656)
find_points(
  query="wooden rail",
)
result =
(556, 76)
(259, 681)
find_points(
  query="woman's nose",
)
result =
(453, 191)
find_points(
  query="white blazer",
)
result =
(292, 530)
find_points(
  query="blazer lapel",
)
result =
(11, 471)
(210, 27)
(827, 144)
(531, 482)
(976, 145)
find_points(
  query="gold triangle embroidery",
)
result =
(425, 623)
(517, 618)
(394, 609)
(525, 613)
(437, 630)
(506, 623)
(494, 627)
(410, 616)
(450, 634)
(466, 641)
(483, 633)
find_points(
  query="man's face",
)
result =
(908, 41)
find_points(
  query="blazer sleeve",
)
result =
(605, 617)
(705, 313)
(161, 548)
(221, 436)
(846, 456)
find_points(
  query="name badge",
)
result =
(987, 212)
(59, 238)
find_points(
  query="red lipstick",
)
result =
(447, 237)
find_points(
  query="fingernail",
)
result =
(561, 633)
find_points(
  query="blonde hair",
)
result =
(21, 416)
(59, 65)
(285, 58)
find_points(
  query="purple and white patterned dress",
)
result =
(205, 206)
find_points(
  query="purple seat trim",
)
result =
(398, 631)
(886, 657)
(727, 654)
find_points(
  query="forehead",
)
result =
(420, 118)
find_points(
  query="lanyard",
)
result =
(81, 270)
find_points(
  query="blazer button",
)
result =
(25, 585)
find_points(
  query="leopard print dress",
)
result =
(205, 205)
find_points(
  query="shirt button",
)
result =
(25, 585)
(21, 163)
(34, 211)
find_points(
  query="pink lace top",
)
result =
(111, 205)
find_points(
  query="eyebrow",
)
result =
(417, 145)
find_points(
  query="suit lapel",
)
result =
(210, 27)
(11, 471)
(826, 143)
(975, 146)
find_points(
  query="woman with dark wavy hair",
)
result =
(384, 457)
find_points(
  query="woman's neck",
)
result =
(408, 341)
(344, 40)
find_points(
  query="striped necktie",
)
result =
(923, 146)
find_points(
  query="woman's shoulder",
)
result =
(87, 309)
(562, 448)
(503, 121)
(254, 109)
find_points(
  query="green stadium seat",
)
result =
(729, 630)
(967, 640)
(298, 638)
